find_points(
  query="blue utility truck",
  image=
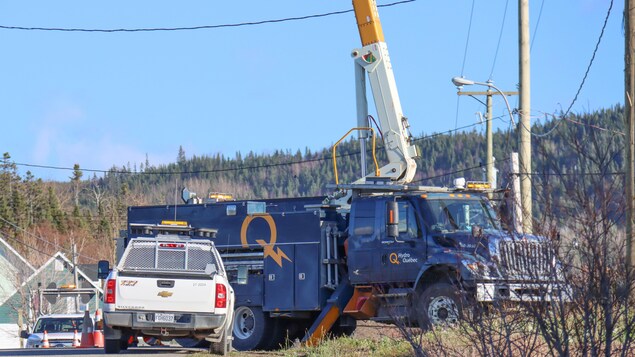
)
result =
(301, 267)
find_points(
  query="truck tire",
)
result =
(112, 346)
(279, 334)
(343, 331)
(438, 305)
(252, 328)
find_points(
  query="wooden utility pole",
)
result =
(489, 158)
(629, 84)
(524, 126)
(75, 277)
(516, 209)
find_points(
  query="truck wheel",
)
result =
(252, 328)
(112, 346)
(341, 331)
(279, 335)
(438, 305)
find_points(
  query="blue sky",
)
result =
(103, 99)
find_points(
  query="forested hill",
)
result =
(91, 210)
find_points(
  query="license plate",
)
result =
(163, 317)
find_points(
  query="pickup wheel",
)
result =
(112, 346)
(438, 305)
(252, 328)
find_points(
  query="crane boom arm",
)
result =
(374, 59)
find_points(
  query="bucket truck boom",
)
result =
(373, 59)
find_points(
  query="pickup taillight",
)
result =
(111, 287)
(221, 296)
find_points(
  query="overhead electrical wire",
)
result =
(533, 37)
(467, 40)
(255, 167)
(595, 50)
(191, 28)
(586, 74)
(481, 165)
(57, 246)
(500, 36)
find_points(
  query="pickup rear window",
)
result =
(152, 254)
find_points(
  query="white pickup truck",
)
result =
(168, 287)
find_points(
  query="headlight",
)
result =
(31, 342)
(476, 267)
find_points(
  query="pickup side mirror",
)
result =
(103, 269)
(24, 334)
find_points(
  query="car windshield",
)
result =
(59, 324)
(453, 215)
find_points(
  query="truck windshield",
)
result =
(59, 324)
(453, 215)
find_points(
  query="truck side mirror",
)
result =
(392, 219)
(103, 269)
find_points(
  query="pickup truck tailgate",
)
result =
(168, 276)
(165, 294)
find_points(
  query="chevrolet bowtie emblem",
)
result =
(164, 294)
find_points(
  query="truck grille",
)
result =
(526, 259)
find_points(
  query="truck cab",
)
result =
(412, 246)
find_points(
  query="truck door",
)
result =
(364, 240)
(401, 257)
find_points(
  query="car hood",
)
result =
(37, 337)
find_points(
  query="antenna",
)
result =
(176, 190)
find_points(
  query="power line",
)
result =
(28, 246)
(586, 74)
(255, 167)
(57, 246)
(191, 28)
(533, 37)
(616, 173)
(597, 45)
(467, 41)
(500, 36)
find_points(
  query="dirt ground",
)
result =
(373, 330)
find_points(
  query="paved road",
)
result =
(136, 351)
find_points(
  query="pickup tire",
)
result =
(222, 347)
(252, 328)
(438, 305)
(112, 346)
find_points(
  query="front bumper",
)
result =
(528, 292)
(184, 323)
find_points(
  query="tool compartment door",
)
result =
(307, 295)
(279, 290)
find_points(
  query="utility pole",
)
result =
(489, 158)
(629, 84)
(516, 209)
(75, 278)
(524, 126)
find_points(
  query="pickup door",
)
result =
(168, 276)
